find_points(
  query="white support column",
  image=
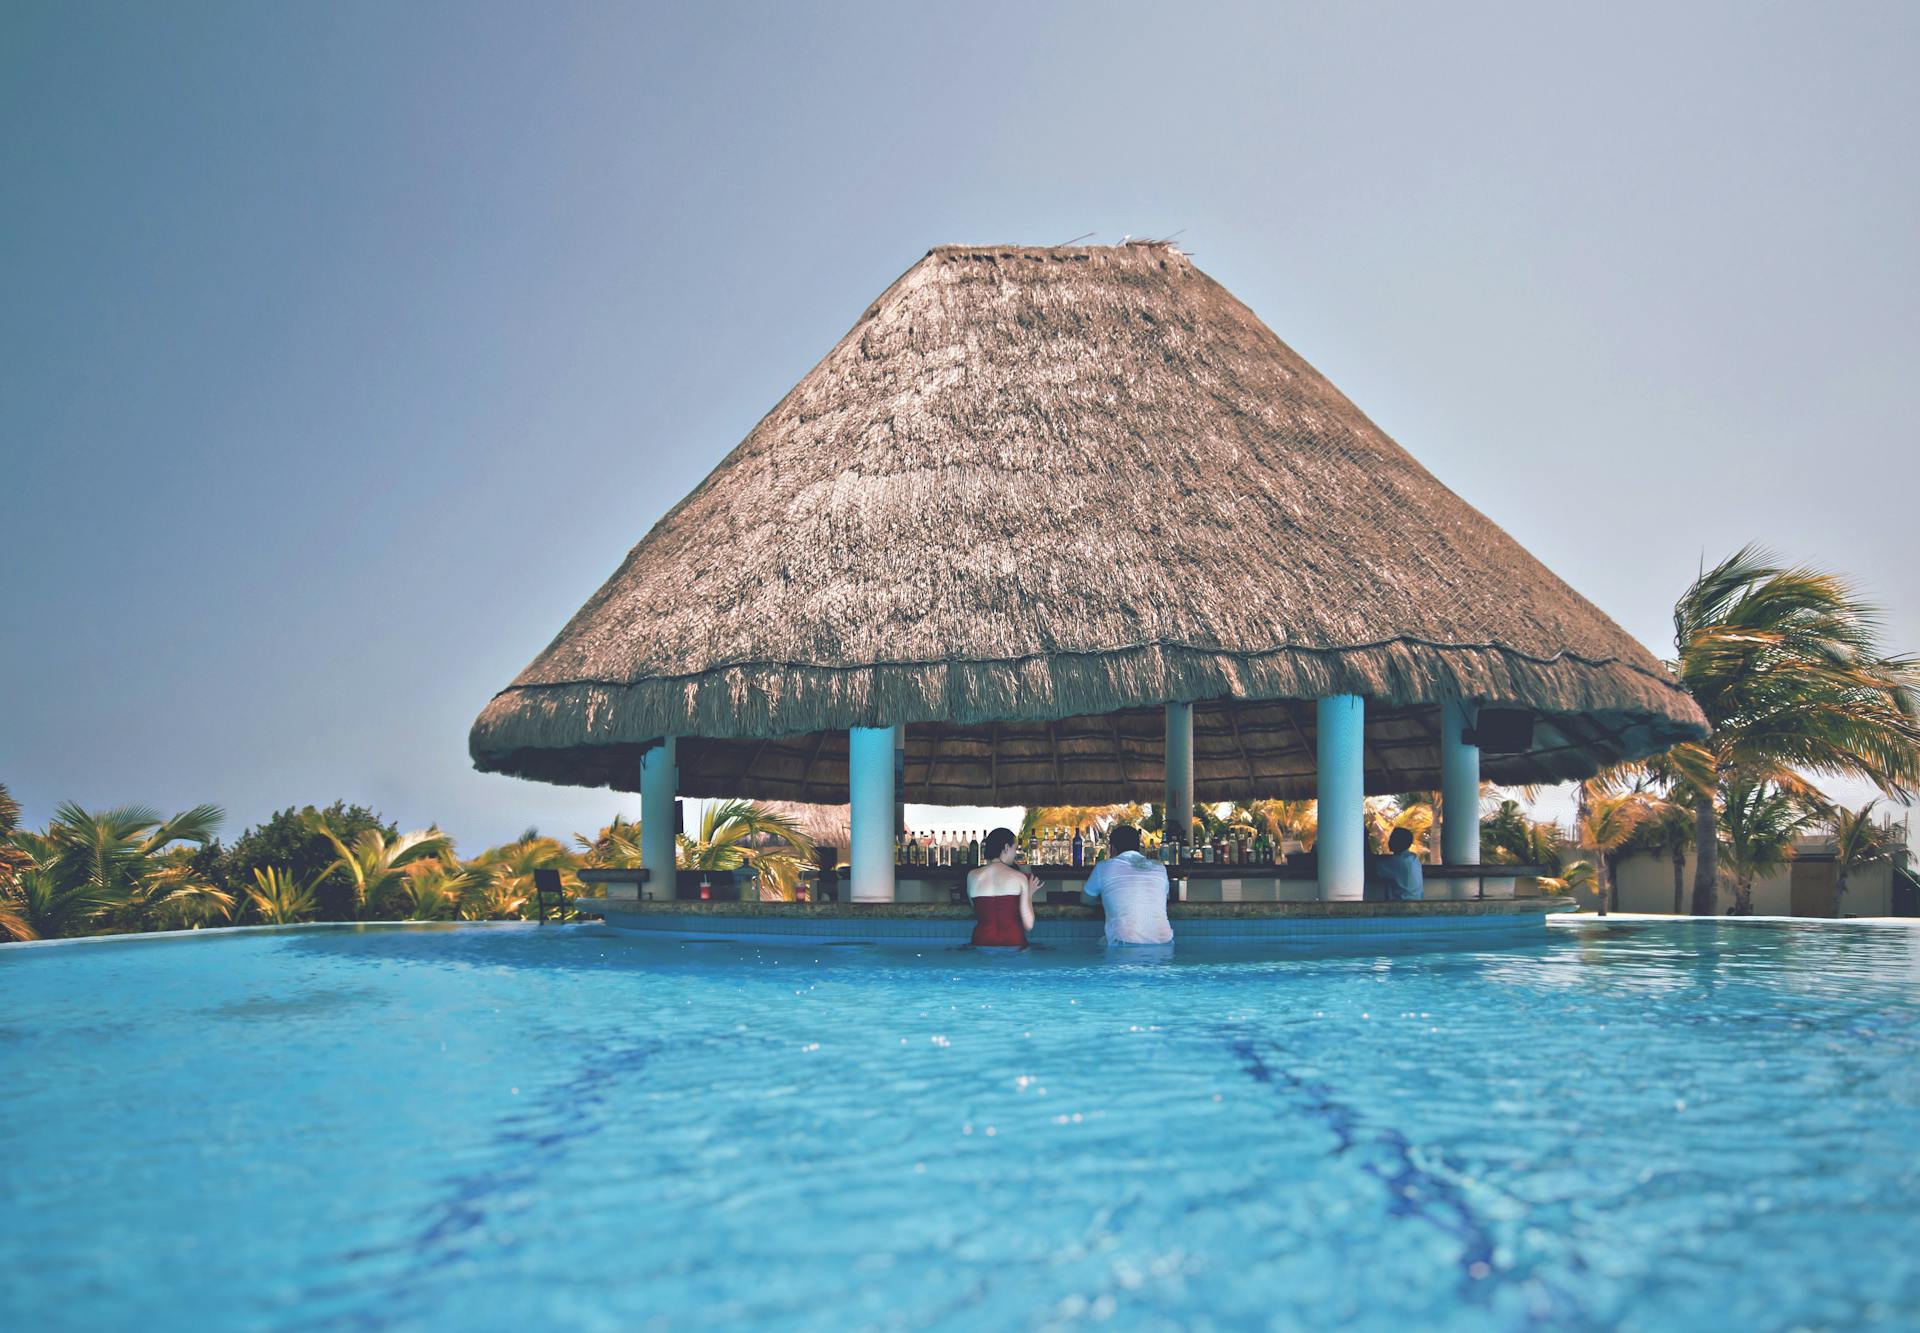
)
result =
(1340, 845)
(659, 785)
(870, 792)
(1459, 787)
(1178, 813)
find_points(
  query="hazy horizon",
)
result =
(345, 350)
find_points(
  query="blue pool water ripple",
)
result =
(1670, 1126)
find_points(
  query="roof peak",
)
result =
(1129, 249)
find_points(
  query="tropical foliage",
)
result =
(296, 842)
(501, 883)
(376, 866)
(1788, 666)
(278, 899)
(615, 847)
(1606, 827)
(1758, 824)
(117, 869)
(1858, 842)
(736, 834)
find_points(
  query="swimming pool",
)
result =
(1652, 1126)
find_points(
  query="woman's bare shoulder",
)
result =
(993, 879)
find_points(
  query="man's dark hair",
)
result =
(1123, 838)
(1399, 840)
(997, 842)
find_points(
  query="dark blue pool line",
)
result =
(527, 1141)
(1413, 1192)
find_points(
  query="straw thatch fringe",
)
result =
(596, 731)
(1056, 484)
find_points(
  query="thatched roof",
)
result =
(1030, 497)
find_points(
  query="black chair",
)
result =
(548, 896)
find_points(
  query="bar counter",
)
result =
(1213, 883)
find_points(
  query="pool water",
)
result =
(1642, 1126)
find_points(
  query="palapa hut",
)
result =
(1035, 503)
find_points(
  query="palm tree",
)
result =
(1608, 825)
(431, 889)
(1506, 835)
(1576, 877)
(177, 896)
(1286, 821)
(13, 860)
(1759, 822)
(503, 883)
(615, 847)
(40, 907)
(278, 899)
(1786, 665)
(1668, 830)
(121, 868)
(376, 867)
(494, 897)
(1858, 842)
(1038, 817)
(734, 834)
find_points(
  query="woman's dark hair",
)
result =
(997, 842)
(1399, 840)
(1123, 838)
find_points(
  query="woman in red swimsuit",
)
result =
(1002, 896)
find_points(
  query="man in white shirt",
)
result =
(1133, 890)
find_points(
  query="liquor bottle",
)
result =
(1079, 848)
(973, 850)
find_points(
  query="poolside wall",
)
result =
(1646, 885)
(1469, 925)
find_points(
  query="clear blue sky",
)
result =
(346, 348)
